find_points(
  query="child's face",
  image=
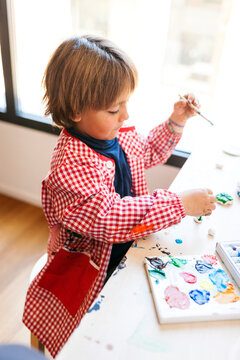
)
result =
(103, 124)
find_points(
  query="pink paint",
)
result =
(210, 259)
(189, 278)
(175, 298)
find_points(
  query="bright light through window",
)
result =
(177, 46)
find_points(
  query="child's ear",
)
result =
(77, 118)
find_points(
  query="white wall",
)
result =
(24, 161)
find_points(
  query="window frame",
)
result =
(36, 122)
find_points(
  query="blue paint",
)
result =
(136, 246)
(156, 262)
(121, 266)
(96, 306)
(200, 297)
(178, 241)
(220, 279)
(202, 266)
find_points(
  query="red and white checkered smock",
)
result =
(78, 195)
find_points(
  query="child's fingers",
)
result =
(181, 106)
(191, 97)
(213, 199)
(209, 191)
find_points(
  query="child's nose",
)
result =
(124, 115)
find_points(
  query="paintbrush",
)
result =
(194, 108)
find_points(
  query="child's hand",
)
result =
(198, 202)
(182, 112)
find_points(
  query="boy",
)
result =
(95, 197)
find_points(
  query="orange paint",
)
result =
(141, 228)
(227, 296)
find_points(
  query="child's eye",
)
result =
(113, 112)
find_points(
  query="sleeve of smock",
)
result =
(159, 145)
(84, 204)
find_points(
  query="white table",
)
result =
(126, 326)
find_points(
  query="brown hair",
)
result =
(84, 73)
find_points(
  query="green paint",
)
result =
(144, 337)
(177, 262)
(157, 274)
(223, 198)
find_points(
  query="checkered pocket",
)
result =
(69, 277)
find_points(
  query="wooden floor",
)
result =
(23, 240)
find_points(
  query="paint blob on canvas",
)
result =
(175, 298)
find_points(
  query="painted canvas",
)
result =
(195, 288)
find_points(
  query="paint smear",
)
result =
(178, 241)
(141, 228)
(227, 296)
(207, 285)
(200, 297)
(157, 262)
(135, 245)
(157, 275)
(145, 338)
(211, 259)
(97, 304)
(189, 278)
(109, 346)
(202, 266)
(175, 298)
(165, 252)
(121, 266)
(177, 262)
(220, 279)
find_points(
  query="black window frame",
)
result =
(36, 122)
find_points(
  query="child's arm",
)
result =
(159, 145)
(163, 139)
(84, 204)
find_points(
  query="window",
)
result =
(202, 56)
(38, 29)
(177, 45)
(2, 89)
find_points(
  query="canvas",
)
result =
(192, 288)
